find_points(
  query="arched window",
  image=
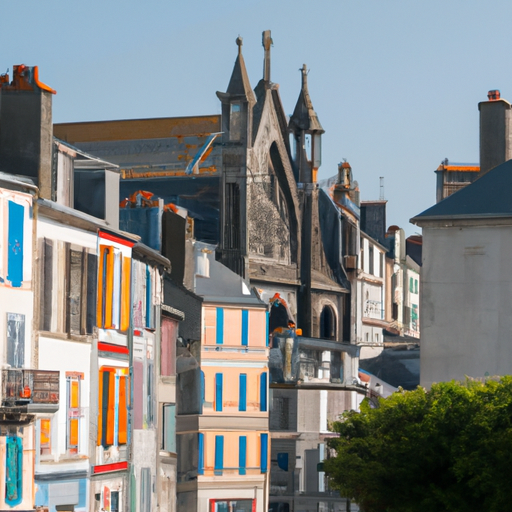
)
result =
(328, 323)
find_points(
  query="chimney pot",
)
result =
(493, 95)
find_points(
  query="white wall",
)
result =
(466, 302)
(67, 356)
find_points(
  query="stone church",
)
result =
(249, 179)
(246, 181)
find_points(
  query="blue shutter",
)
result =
(200, 457)
(219, 455)
(242, 454)
(13, 470)
(263, 452)
(219, 339)
(245, 327)
(266, 329)
(15, 244)
(242, 399)
(218, 391)
(263, 392)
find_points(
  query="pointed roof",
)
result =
(304, 116)
(488, 196)
(239, 85)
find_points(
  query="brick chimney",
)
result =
(26, 130)
(495, 131)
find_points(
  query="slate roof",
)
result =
(489, 196)
(223, 286)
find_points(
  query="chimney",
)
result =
(342, 187)
(495, 131)
(26, 130)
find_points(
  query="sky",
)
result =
(395, 83)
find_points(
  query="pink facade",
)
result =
(234, 449)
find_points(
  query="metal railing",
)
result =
(22, 387)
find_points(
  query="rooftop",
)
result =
(488, 196)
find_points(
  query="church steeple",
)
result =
(307, 131)
(239, 84)
(237, 102)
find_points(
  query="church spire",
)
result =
(304, 116)
(307, 132)
(239, 85)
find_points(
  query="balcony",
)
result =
(29, 391)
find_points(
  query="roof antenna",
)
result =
(381, 194)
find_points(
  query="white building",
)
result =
(466, 281)
(371, 293)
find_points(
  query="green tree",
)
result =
(447, 449)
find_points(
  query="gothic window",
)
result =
(328, 323)
(235, 125)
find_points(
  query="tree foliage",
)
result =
(447, 449)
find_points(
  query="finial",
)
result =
(239, 43)
(267, 43)
(304, 71)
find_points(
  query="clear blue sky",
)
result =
(396, 84)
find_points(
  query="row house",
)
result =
(88, 376)
(233, 428)
(25, 392)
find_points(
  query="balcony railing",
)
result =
(30, 391)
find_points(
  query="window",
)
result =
(376, 337)
(15, 340)
(45, 436)
(279, 419)
(169, 428)
(75, 311)
(235, 122)
(411, 285)
(242, 399)
(144, 286)
(264, 452)
(113, 306)
(371, 262)
(415, 286)
(218, 392)
(242, 455)
(219, 455)
(168, 347)
(263, 392)
(245, 327)
(235, 505)
(219, 337)
(113, 406)
(381, 259)
(327, 324)
(73, 412)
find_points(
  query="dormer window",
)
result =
(235, 122)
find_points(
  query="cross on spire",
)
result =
(267, 43)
